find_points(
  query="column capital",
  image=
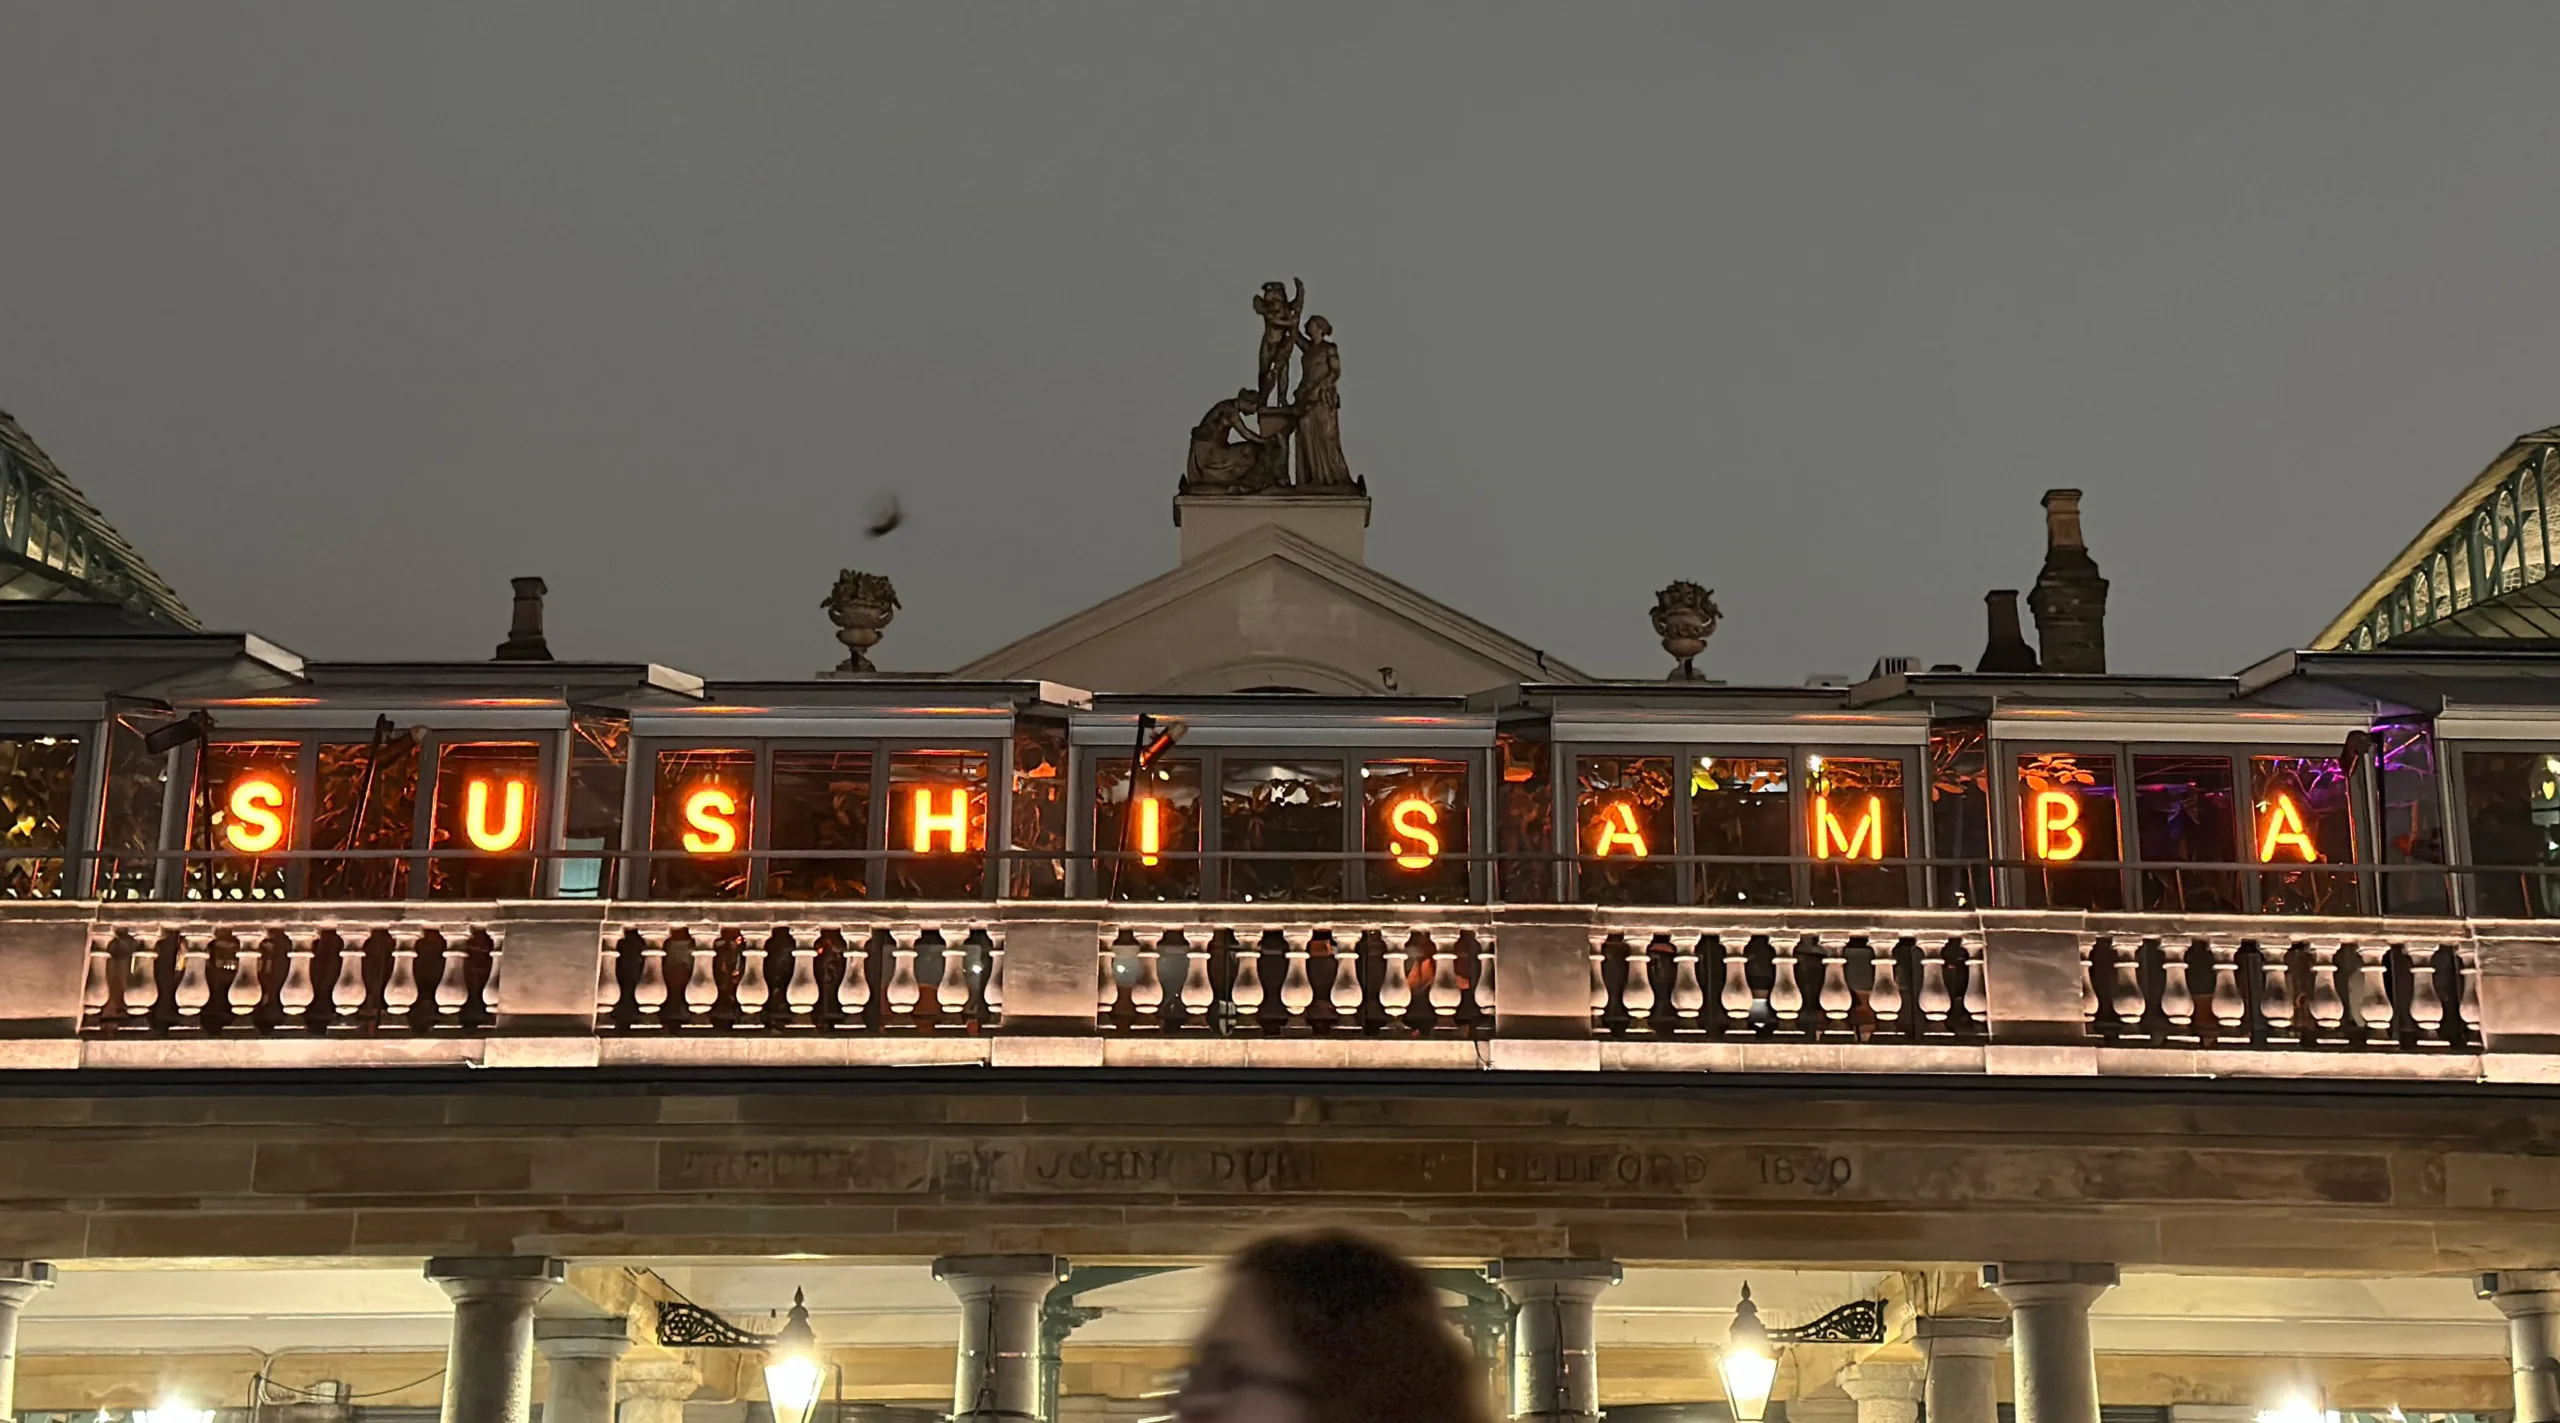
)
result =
(1952, 1337)
(20, 1279)
(1543, 1275)
(2050, 1281)
(582, 1337)
(496, 1277)
(2520, 1292)
(1883, 1381)
(953, 1270)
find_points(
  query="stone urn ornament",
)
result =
(860, 605)
(1684, 617)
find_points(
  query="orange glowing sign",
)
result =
(1618, 827)
(509, 831)
(1865, 841)
(1150, 830)
(256, 823)
(951, 824)
(2284, 827)
(1415, 846)
(2056, 833)
(713, 815)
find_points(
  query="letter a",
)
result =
(1618, 827)
(2285, 827)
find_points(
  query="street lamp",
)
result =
(1748, 1362)
(793, 1372)
(173, 1410)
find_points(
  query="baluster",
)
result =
(1977, 981)
(2090, 1003)
(993, 993)
(1297, 991)
(853, 991)
(194, 990)
(2230, 1010)
(1344, 992)
(96, 988)
(801, 994)
(400, 990)
(142, 982)
(1198, 995)
(1395, 991)
(296, 993)
(346, 994)
(1786, 994)
(2368, 999)
(245, 988)
(1106, 992)
(1245, 990)
(2275, 987)
(452, 988)
(1484, 977)
(1446, 994)
(1599, 976)
(1638, 995)
(2177, 1000)
(1834, 1000)
(608, 977)
(951, 994)
(651, 991)
(2328, 1010)
(1935, 1002)
(2466, 987)
(490, 989)
(1688, 995)
(904, 992)
(1884, 994)
(1735, 999)
(754, 988)
(2124, 967)
(2426, 1005)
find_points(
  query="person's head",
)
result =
(1329, 1328)
(1318, 328)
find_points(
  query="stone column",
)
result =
(1886, 1392)
(581, 1354)
(19, 1281)
(488, 1369)
(998, 1378)
(2530, 1299)
(1964, 1367)
(653, 1384)
(1555, 1367)
(2056, 1369)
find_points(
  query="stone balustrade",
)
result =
(1579, 988)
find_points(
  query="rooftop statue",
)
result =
(1268, 439)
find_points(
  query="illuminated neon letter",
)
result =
(712, 812)
(2058, 834)
(952, 825)
(256, 826)
(475, 815)
(1150, 830)
(1618, 826)
(1426, 846)
(1869, 834)
(2284, 827)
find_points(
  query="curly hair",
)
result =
(1367, 1329)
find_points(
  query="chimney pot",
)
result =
(2070, 598)
(524, 633)
(2062, 519)
(2006, 649)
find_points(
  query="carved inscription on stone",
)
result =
(883, 1168)
(1738, 1171)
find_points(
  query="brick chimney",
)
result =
(524, 636)
(2007, 649)
(2069, 599)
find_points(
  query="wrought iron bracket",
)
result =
(1859, 1321)
(683, 1324)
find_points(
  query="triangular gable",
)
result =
(1272, 608)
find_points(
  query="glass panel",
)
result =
(1415, 811)
(1740, 805)
(245, 810)
(2183, 813)
(1527, 821)
(938, 805)
(129, 836)
(2067, 819)
(37, 774)
(1960, 813)
(1856, 815)
(599, 778)
(368, 801)
(487, 793)
(1622, 806)
(1281, 805)
(1167, 819)
(1039, 811)
(2412, 817)
(821, 801)
(703, 803)
(2302, 818)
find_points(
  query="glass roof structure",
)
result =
(2480, 571)
(55, 547)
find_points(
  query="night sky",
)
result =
(347, 313)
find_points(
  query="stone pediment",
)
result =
(1272, 609)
